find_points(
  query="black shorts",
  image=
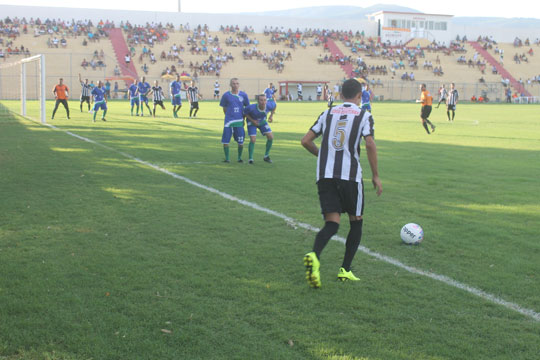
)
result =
(195, 105)
(158, 102)
(216, 92)
(426, 110)
(85, 98)
(341, 196)
(451, 107)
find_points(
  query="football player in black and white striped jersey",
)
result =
(158, 97)
(85, 92)
(339, 175)
(451, 102)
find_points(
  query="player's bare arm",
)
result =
(371, 150)
(255, 122)
(309, 144)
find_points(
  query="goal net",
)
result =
(22, 87)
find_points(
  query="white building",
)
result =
(400, 27)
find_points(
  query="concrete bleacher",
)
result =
(254, 74)
(65, 61)
(523, 70)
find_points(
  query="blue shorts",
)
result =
(143, 98)
(134, 100)
(176, 100)
(264, 129)
(367, 107)
(100, 105)
(270, 105)
(238, 132)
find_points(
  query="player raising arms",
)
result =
(270, 93)
(233, 103)
(85, 92)
(144, 89)
(339, 175)
(426, 100)
(176, 100)
(157, 91)
(133, 92)
(256, 119)
(99, 100)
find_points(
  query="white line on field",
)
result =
(445, 279)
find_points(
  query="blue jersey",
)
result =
(99, 94)
(132, 91)
(269, 92)
(175, 88)
(144, 88)
(256, 114)
(234, 105)
(366, 99)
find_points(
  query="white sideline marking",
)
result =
(442, 278)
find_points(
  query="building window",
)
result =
(408, 24)
(393, 23)
(443, 26)
(430, 25)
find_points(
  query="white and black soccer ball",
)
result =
(412, 234)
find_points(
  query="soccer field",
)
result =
(130, 239)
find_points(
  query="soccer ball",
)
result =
(412, 234)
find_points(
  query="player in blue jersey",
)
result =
(99, 98)
(367, 95)
(270, 93)
(233, 103)
(256, 119)
(144, 89)
(133, 92)
(176, 86)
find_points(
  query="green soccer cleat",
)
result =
(312, 270)
(346, 275)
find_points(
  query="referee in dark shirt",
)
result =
(339, 175)
(193, 97)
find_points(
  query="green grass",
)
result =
(102, 257)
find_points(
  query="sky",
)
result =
(523, 8)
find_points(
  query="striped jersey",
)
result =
(86, 89)
(443, 93)
(342, 128)
(453, 98)
(193, 93)
(157, 91)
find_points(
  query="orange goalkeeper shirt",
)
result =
(426, 98)
(60, 91)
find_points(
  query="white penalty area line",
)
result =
(295, 224)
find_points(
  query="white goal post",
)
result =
(12, 83)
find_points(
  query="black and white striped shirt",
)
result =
(158, 93)
(193, 93)
(453, 98)
(342, 128)
(86, 89)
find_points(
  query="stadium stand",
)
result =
(99, 51)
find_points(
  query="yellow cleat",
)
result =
(312, 265)
(346, 275)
